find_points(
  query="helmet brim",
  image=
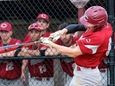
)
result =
(84, 21)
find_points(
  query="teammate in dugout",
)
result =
(10, 70)
(41, 70)
(91, 47)
(66, 64)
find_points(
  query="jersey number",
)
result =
(42, 68)
(9, 66)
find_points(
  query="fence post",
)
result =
(58, 73)
(110, 6)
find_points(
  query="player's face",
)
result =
(43, 23)
(5, 35)
(90, 26)
(66, 38)
(35, 34)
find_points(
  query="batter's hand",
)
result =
(45, 41)
(56, 35)
(23, 77)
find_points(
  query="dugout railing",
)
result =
(60, 78)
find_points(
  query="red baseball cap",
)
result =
(6, 26)
(43, 16)
(35, 26)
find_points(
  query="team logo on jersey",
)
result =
(9, 66)
(88, 40)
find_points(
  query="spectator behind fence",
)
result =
(91, 47)
(41, 70)
(10, 70)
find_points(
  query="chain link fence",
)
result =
(22, 13)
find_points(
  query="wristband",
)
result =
(72, 28)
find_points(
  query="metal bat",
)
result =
(12, 47)
(8, 48)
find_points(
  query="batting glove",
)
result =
(55, 36)
(45, 41)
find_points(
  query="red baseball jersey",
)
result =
(67, 64)
(94, 46)
(28, 39)
(10, 69)
(40, 67)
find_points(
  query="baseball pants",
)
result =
(86, 77)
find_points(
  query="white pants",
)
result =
(43, 82)
(86, 77)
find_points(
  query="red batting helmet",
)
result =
(95, 15)
(35, 26)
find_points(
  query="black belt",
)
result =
(79, 68)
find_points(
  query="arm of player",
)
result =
(26, 52)
(33, 52)
(23, 69)
(10, 54)
(51, 51)
(71, 52)
(72, 28)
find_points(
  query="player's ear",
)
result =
(47, 25)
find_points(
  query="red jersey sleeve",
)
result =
(90, 44)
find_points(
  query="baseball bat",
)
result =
(8, 48)
(12, 47)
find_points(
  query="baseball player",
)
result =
(43, 19)
(91, 47)
(10, 70)
(40, 72)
